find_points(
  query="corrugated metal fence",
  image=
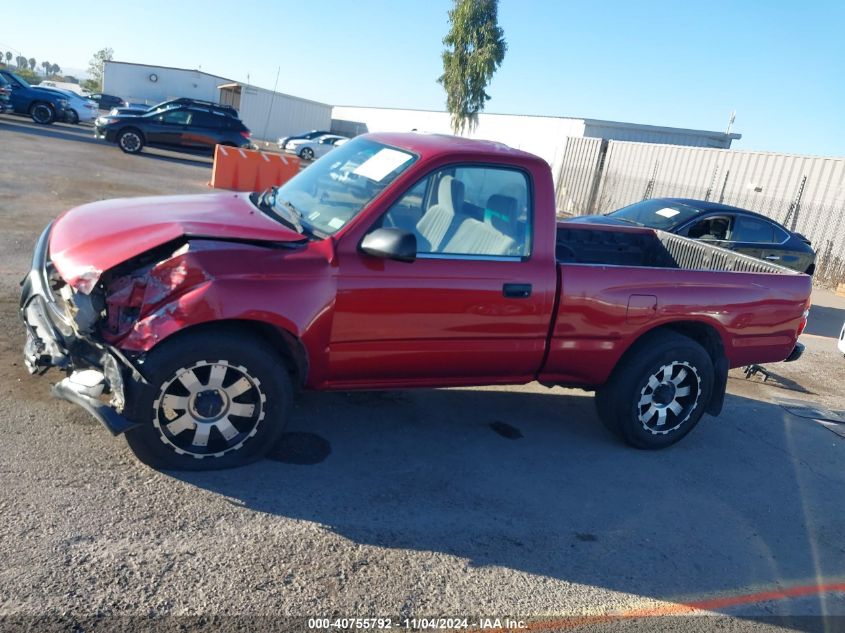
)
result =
(805, 193)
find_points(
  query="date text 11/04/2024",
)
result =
(415, 624)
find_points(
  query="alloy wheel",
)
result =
(209, 409)
(669, 397)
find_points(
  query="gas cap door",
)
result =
(641, 308)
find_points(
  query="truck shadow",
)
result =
(749, 499)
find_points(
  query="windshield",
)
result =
(333, 190)
(657, 214)
(23, 82)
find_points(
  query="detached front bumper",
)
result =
(54, 339)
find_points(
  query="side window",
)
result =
(178, 117)
(712, 228)
(205, 119)
(753, 230)
(406, 213)
(467, 211)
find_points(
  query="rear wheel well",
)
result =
(709, 338)
(288, 346)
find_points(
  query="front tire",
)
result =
(215, 400)
(130, 141)
(658, 391)
(307, 153)
(42, 113)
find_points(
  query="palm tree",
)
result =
(46, 66)
(9, 57)
(21, 61)
(32, 63)
(55, 69)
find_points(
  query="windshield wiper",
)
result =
(266, 201)
(294, 214)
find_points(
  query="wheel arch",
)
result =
(133, 128)
(289, 347)
(710, 338)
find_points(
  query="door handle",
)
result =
(773, 258)
(517, 291)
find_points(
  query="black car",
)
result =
(282, 143)
(729, 227)
(5, 96)
(217, 108)
(107, 102)
(182, 128)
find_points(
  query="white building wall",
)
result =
(543, 136)
(132, 83)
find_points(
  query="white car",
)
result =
(314, 148)
(841, 343)
(79, 108)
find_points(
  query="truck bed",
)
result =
(617, 283)
(624, 246)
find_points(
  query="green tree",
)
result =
(475, 48)
(98, 64)
(9, 57)
(55, 69)
(21, 62)
(46, 66)
(32, 64)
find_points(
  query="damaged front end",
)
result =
(61, 331)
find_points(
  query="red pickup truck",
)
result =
(396, 261)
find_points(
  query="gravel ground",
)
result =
(490, 501)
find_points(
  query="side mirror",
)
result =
(391, 244)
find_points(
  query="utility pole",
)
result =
(731, 122)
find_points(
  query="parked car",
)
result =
(315, 148)
(65, 85)
(79, 108)
(198, 314)
(5, 96)
(107, 102)
(217, 108)
(183, 128)
(841, 343)
(722, 225)
(283, 142)
(40, 104)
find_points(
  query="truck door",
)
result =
(473, 308)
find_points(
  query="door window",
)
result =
(714, 228)
(753, 230)
(178, 117)
(467, 211)
(206, 119)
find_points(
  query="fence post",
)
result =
(597, 179)
(795, 205)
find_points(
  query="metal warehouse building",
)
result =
(267, 114)
(544, 136)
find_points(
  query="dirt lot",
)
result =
(492, 502)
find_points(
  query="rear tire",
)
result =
(658, 391)
(42, 113)
(216, 399)
(130, 141)
(72, 117)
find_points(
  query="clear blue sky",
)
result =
(779, 64)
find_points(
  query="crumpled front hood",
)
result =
(88, 240)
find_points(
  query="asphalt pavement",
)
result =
(476, 502)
